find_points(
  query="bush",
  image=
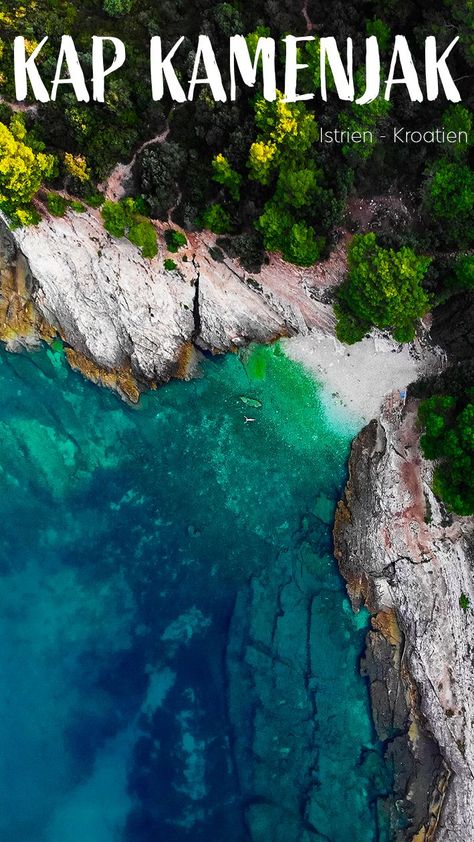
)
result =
(22, 172)
(57, 205)
(170, 265)
(449, 197)
(383, 288)
(95, 200)
(78, 207)
(143, 234)
(216, 219)
(113, 214)
(175, 240)
(122, 220)
(116, 8)
(448, 437)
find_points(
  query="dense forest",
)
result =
(255, 172)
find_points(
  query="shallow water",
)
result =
(126, 534)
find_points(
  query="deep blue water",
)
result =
(126, 534)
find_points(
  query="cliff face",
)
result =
(124, 313)
(400, 553)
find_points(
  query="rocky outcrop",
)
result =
(122, 312)
(410, 562)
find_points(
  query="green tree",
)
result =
(296, 241)
(363, 118)
(286, 133)
(114, 217)
(224, 174)
(457, 119)
(124, 219)
(383, 288)
(448, 438)
(450, 198)
(216, 219)
(21, 172)
(464, 271)
(143, 235)
(175, 240)
(117, 8)
(297, 187)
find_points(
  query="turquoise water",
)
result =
(126, 534)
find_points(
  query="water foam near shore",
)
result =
(127, 535)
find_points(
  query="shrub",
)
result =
(95, 200)
(383, 288)
(21, 172)
(57, 205)
(122, 220)
(116, 8)
(464, 602)
(448, 437)
(143, 234)
(449, 196)
(170, 265)
(113, 214)
(216, 219)
(175, 240)
(223, 173)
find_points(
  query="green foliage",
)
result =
(296, 241)
(349, 328)
(116, 8)
(57, 205)
(216, 219)
(287, 132)
(114, 217)
(464, 271)
(252, 41)
(256, 152)
(175, 240)
(95, 200)
(170, 265)
(78, 207)
(450, 198)
(121, 219)
(448, 437)
(22, 172)
(457, 119)
(363, 118)
(381, 31)
(383, 288)
(143, 235)
(303, 248)
(464, 602)
(297, 187)
(225, 175)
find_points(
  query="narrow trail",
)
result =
(310, 26)
(20, 107)
(119, 180)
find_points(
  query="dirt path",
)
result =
(119, 181)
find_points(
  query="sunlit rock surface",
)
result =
(118, 309)
(398, 549)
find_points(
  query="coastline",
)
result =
(359, 377)
(232, 313)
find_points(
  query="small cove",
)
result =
(127, 536)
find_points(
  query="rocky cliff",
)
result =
(410, 562)
(119, 312)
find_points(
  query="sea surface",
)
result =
(126, 534)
